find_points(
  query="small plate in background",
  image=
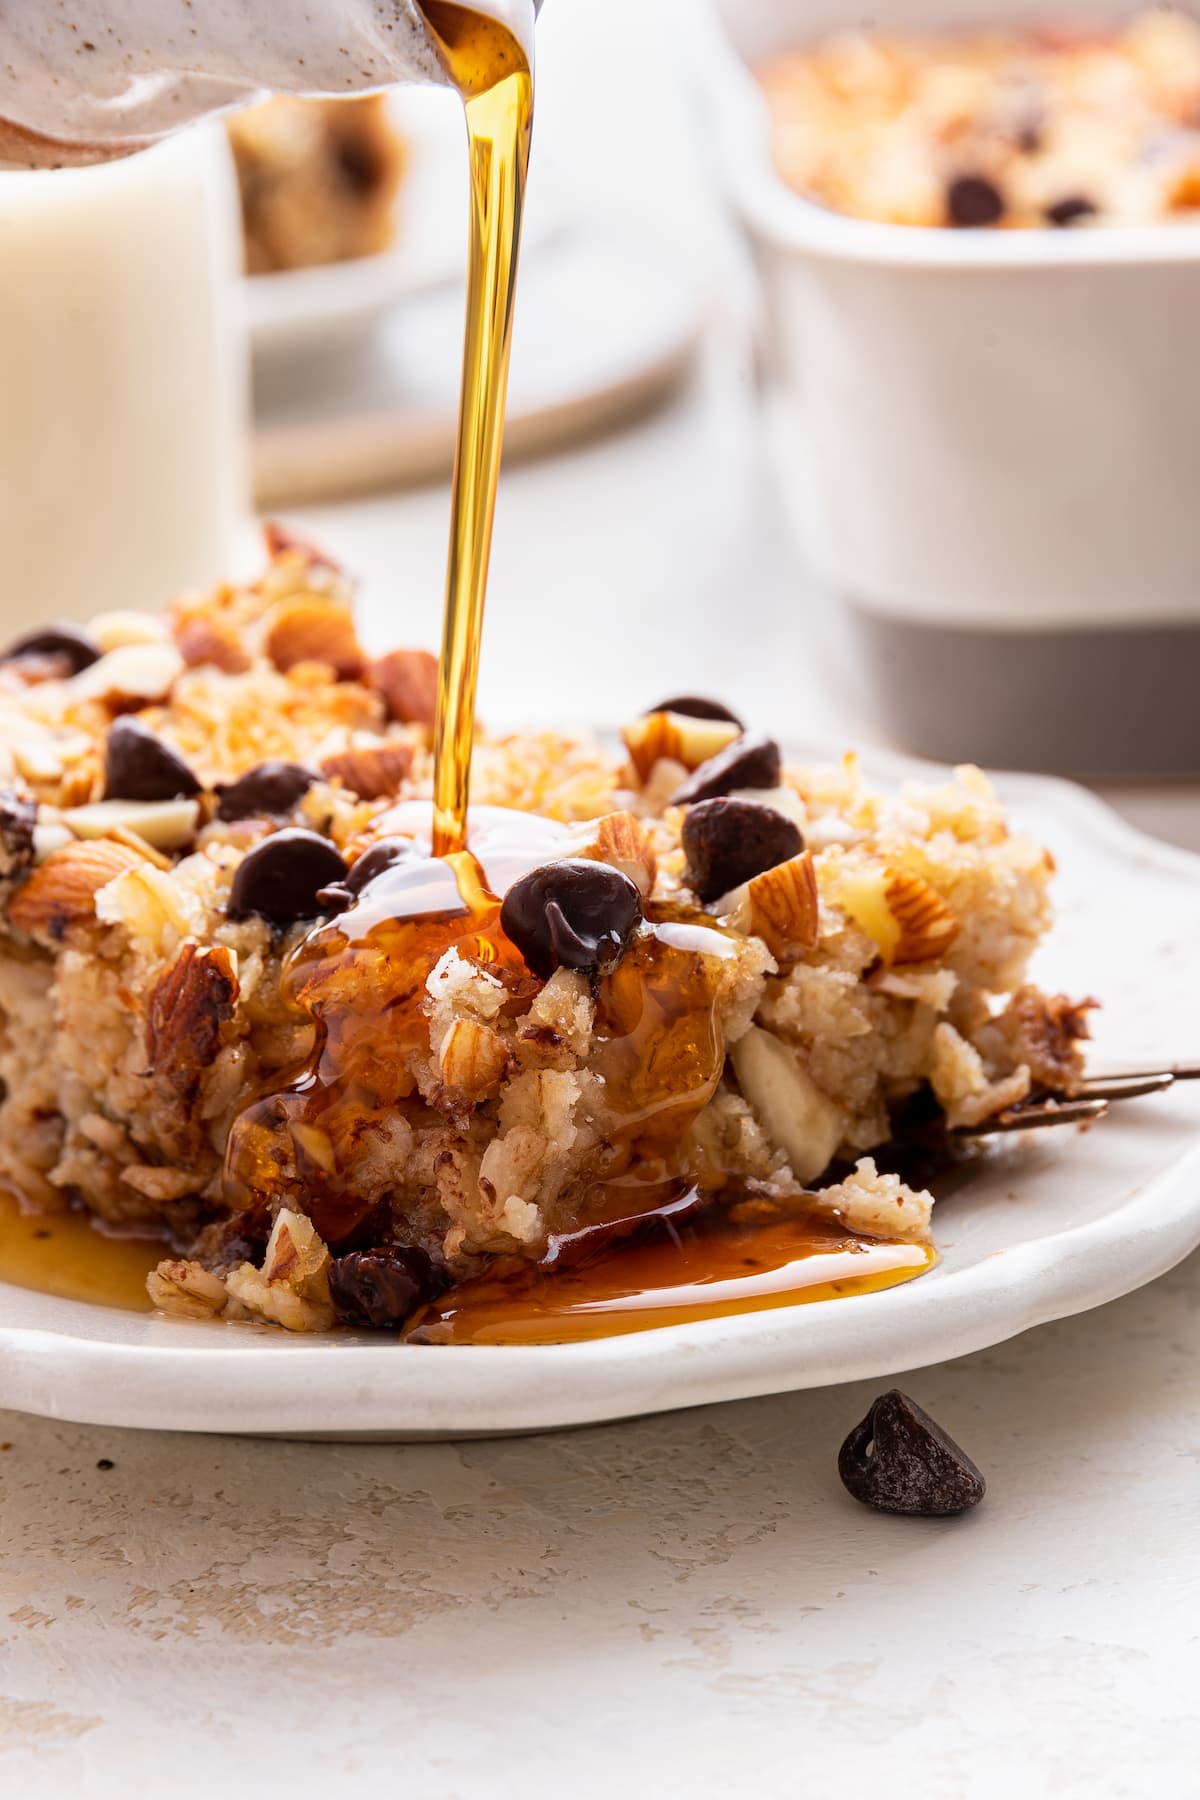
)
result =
(302, 311)
(604, 331)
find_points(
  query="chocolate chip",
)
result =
(18, 816)
(749, 762)
(899, 1461)
(138, 765)
(973, 200)
(383, 855)
(575, 914)
(271, 790)
(281, 878)
(728, 842)
(1070, 209)
(373, 862)
(383, 1288)
(694, 706)
(68, 644)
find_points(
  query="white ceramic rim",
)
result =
(782, 217)
(351, 1387)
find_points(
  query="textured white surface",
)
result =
(687, 1605)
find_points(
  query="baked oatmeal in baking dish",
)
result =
(1010, 126)
(241, 1005)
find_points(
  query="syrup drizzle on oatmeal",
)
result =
(657, 1057)
(492, 75)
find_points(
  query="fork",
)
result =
(1087, 1101)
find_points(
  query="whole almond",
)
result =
(780, 907)
(927, 924)
(407, 681)
(61, 892)
(212, 641)
(372, 771)
(308, 628)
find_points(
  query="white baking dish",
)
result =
(989, 440)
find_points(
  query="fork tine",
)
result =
(1036, 1116)
(1122, 1087)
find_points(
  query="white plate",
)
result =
(1059, 1223)
(384, 413)
(302, 311)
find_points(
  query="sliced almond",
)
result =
(311, 628)
(116, 630)
(62, 890)
(48, 836)
(780, 907)
(622, 841)
(164, 824)
(677, 737)
(38, 760)
(802, 1121)
(472, 1058)
(132, 672)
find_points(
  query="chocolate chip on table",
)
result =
(68, 644)
(899, 1461)
(138, 765)
(281, 877)
(728, 842)
(383, 1288)
(695, 706)
(271, 790)
(575, 914)
(973, 200)
(1070, 209)
(749, 762)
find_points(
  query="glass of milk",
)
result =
(123, 381)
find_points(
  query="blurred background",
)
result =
(924, 490)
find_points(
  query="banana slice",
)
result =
(795, 1114)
